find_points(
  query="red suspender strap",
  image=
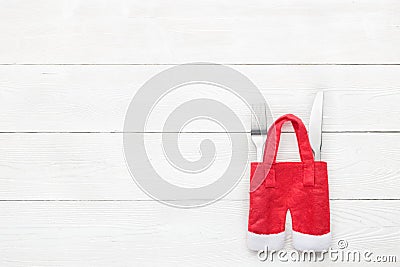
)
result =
(306, 155)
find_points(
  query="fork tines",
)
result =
(258, 119)
(259, 127)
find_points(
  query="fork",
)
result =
(259, 128)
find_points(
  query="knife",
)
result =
(315, 125)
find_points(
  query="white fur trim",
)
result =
(311, 242)
(260, 242)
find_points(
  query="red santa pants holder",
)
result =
(301, 187)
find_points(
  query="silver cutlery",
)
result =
(315, 125)
(259, 128)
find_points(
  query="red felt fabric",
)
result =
(301, 187)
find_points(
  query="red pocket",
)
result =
(301, 187)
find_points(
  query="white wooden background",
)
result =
(68, 70)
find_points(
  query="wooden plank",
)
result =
(95, 98)
(149, 233)
(92, 166)
(88, 32)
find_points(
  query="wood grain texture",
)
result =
(95, 98)
(256, 31)
(149, 233)
(69, 69)
(92, 166)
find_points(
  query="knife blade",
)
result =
(315, 125)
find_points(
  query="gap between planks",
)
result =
(176, 64)
(194, 132)
(153, 200)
